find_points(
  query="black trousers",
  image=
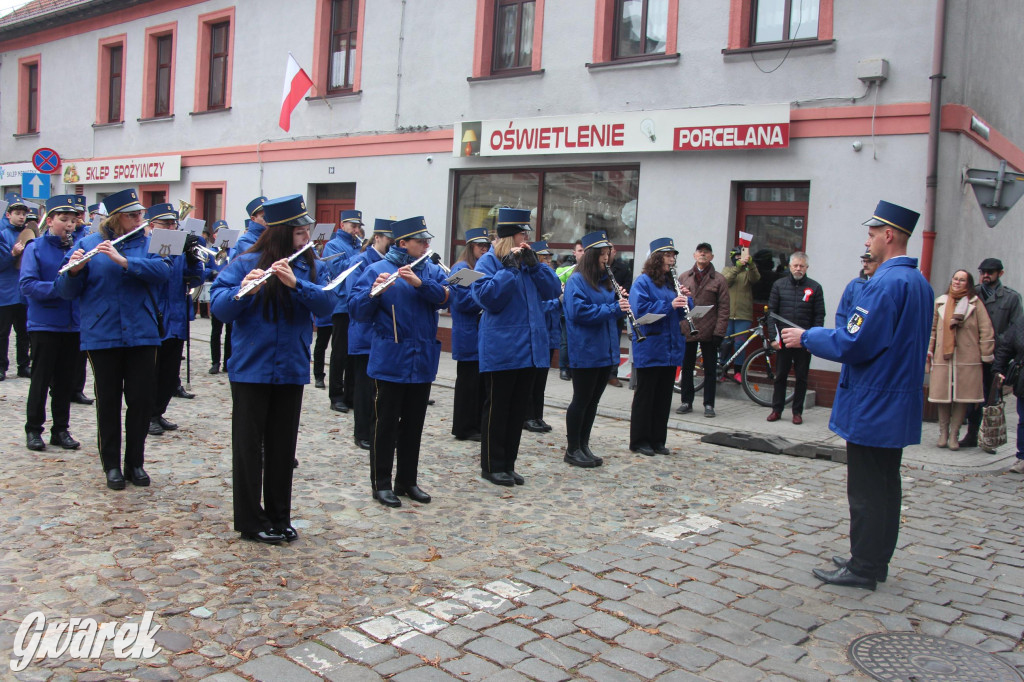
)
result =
(505, 403)
(215, 328)
(652, 403)
(874, 489)
(469, 399)
(535, 408)
(54, 362)
(339, 385)
(323, 337)
(399, 411)
(362, 398)
(168, 367)
(588, 386)
(14, 316)
(264, 429)
(975, 411)
(800, 360)
(129, 373)
(708, 349)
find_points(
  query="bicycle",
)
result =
(757, 374)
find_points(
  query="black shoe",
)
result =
(970, 439)
(685, 408)
(267, 537)
(33, 441)
(564, 375)
(320, 383)
(154, 427)
(661, 450)
(115, 479)
(138, 476)
(476, 435)
(643, 449)
(578, 458)
(180, 392)
(24, 374)
(590, 453)
(387, 498)
(64, 439)
(842, 576)
(709, 411)
(363, 444)
(295, 463)
(841, 562)
(3, 375)
(288, 533)
(339, 406)
(166, 425)
(519, 480)
(215, 369)
(430, 401)
(498, 478)
(533, 426)
(81, 399)
(413, 492)
(544, 425)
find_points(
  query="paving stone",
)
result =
(511, 634)
(555, 653)
(730, 671)
(471, 667)
(621, 609)
(599, 672)
(688, 656)
(642, 642)
(495, 650)
(273, 668)
(942, 614)
(544, 582)
(540, 598)
(651, 603)
(569, 611)
(602, 625)
(456, 635)
(744, 655)
(358, 647)
(1000, 627)
(556, 627)
(478, 621)
(536, 669)
(425, 646)
(634, 662)
(424, 673)
(394, 666)
(783, 633)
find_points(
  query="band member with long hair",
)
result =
(53, 325)
(121, 330)
(655, 360)
(513, 340)
(553, 319)
(591, 318)
(404, 354)
(469, 390)
(269, 364)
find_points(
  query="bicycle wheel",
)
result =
(698, 375)
(758, 376)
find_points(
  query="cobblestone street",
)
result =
(689, 566)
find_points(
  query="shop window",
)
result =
(508, 38)
(338, 31)
(776, 215)
(110, 95)
(28, 95)
(764, 22)
(566, 203)
(213, 70)
(635, 30)
(158, 74)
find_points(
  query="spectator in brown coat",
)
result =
(706, 287)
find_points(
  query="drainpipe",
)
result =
(934, 120)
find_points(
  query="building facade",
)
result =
(786, 119)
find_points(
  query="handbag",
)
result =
(992, 433)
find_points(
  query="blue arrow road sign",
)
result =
(35, 186)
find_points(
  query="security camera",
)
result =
(858, 145)
(430, 159)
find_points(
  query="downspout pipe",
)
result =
(934, 122)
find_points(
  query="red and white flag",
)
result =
(296, 85)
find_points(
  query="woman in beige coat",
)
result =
(962, 339)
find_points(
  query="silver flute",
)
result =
(93, 252)
(686, 306)
(620, 294)
(270, 273)
(393, 277)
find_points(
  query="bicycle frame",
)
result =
(757, 331)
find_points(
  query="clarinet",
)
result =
(686, 307)
(619, 295)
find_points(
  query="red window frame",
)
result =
(344, 30)
(220, 47)
(499, 5)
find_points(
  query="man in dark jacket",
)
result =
(797, 298)
(706, 287)
(1011, 346)
(1004, 308)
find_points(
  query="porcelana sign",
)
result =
(679, 130)
(127, 170)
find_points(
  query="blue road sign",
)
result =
(46, 160)
(35, 186)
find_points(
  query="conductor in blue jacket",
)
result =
(469, 389)
(513, 340)
(404, 353)
(878, 404)
(121, 330)
(53, 325)
(269, 365)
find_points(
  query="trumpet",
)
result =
(205, 253)
(270, 273)
(686, 306)
(620, 294)
(393, 277)
(115, 243)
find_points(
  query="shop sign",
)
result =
(140, 169)
(10, 173)
(700, 129)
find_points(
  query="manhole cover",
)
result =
(659, 488)
(909, 657)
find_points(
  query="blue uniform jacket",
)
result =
(175, 303)
(360, 334)
(846, 301)
(465, 321)
(248, 239)
(408, 312)
(269, 351)
(47, 312)
(342, 242)
(9, 293)
(591, 324)
(882, 347)
(118, 305)
(665, 344)
(513, 328)
(553, 321)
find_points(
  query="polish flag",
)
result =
(296, 85)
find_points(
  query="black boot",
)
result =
(970, 439)
(64, 439)
(33, 441)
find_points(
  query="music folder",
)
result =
(465, 277)
(166, 242)
(699, 311)
(321, 232)
(193, 226)
(649, 318)
(226, 238)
